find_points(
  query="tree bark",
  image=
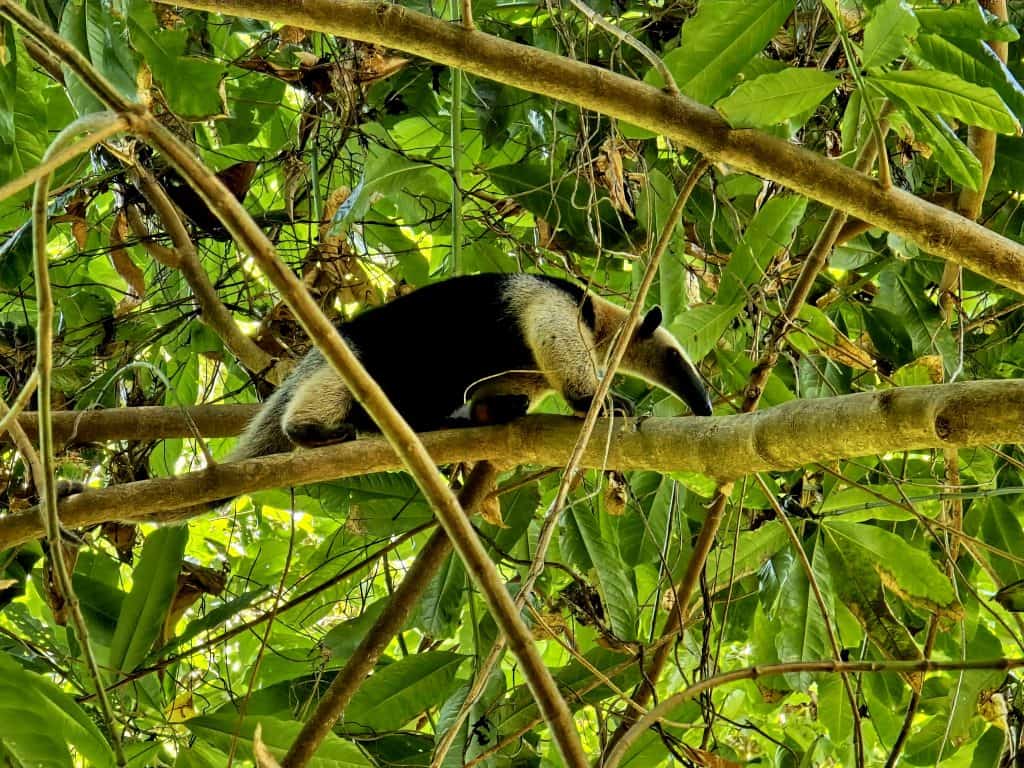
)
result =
(791, 435)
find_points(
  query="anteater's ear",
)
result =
(650, 323)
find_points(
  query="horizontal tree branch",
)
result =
(149, 422)
(792, 435)
(934, 228)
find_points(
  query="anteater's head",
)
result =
(655, 355)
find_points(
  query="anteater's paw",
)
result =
(498, 409)
(312, 434)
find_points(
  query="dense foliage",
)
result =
(343, 153)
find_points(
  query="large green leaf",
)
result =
(700, 328)
(952, 154)
(964, 20)
(8, 83)
(440, 607)
(398, 692)
(770, 231)
(972, 61)
(99, 36)
(858, 587)
(903, 293)
(154, 583)
(382, 502)
(21, 150)
(803, 634)
(950, 95)
(38, 721)
(903, 568)
(277, 735)
(719, 40)
(776, 97)
(192, 85)
(886, 33)
(610, 573)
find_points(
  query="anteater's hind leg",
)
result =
(317, 410)
(506, 397)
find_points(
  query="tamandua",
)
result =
(502, 340)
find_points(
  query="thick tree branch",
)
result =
(935, 229)
(150, 422)
(791, 435)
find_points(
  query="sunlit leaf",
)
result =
(948, 94)
(773, 98)
(885, 35)
(719, 40)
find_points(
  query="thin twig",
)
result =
(616, 31)
(57, 159)
(826, 665)
(10, 418)
(46, 481)
(826, 618)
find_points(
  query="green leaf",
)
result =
(440, 606)
(344, 638)
(643, 536)
(964, 20)
(752, 550)
(277, 735)
(972, 61)
(24, 148)
(718, 42)
(391, 180)
(858, 587)
(776, 97)
(903, 293)
(193, 86)
(948, 151)
(803, 634)
(8, 82)
(1008, 173)
(567, 203)
(99, 36)
(382, 502)
(886, 33)
(902, 568)
(770, 231)
(395, 694)
(950, 95)
(16, 257)
(611, 574)
(39, 721)
(154, 582)
(700, 328)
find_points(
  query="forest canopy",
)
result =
(822, 199)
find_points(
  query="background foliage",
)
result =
(343, 153)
